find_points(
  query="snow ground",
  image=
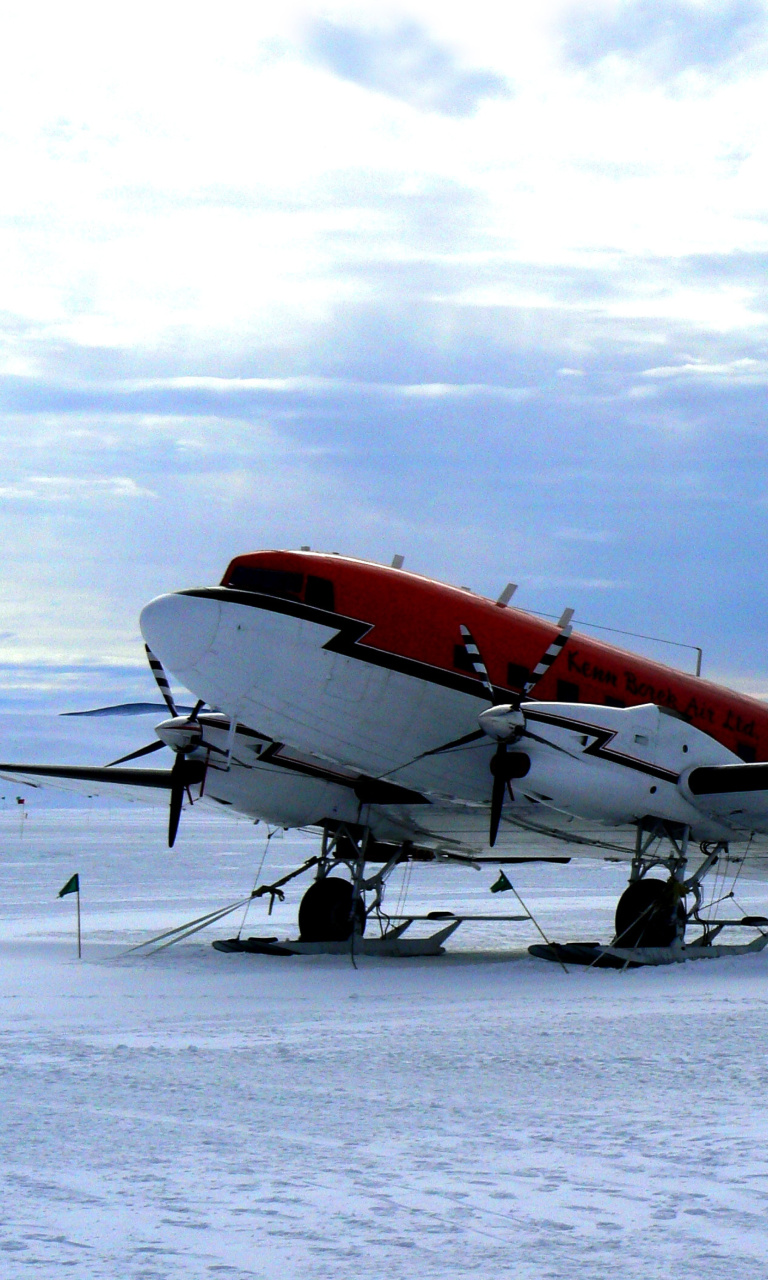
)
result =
(193, 1114)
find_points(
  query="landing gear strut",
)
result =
(332, 909)
(652, 912)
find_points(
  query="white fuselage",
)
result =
(331, 716)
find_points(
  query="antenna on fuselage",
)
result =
(398, 562)
(507, 594)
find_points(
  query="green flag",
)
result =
(72, 886)
(501, 885)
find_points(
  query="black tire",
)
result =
(325, 912)
(648, 914)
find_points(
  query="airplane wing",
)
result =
(734, 793)
(145, 784)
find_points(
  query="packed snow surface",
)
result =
(197, 1114)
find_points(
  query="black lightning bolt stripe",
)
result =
(350, 631)
(367, 789)
(347, 641)
(599, 747)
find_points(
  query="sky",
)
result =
(485, 287)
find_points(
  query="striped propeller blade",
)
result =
(161, 680)
(556, 647)
(473, 653)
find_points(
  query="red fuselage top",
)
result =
(416, 618)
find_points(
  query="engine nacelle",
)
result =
(180, 733)
(612, 764)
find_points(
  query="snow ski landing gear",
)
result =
(652, 914)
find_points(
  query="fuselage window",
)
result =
(271, 582)
(517, 675)
(747, 752)
(614, 702)
(320, 593)
(567, 691)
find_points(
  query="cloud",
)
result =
(317, 386)
(73, 489)
(665, 36)
(405, 63)
(300, 313)
(744, 370)
(473, 486)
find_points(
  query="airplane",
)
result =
(403, 718)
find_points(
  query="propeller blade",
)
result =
(546, 660)
(134, 755)
(183, 774)
(499, 758)
(497, 791)
(474, 655)
(161, 680)
(178, 787)
(505, 765)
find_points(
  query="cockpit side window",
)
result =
(280, 582)
(319, 593)
(272, 582)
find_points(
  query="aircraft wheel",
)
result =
(648, 913)
(325, 911)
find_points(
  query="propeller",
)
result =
(183, 774)
(506, 723)
(184, 771)
(504, 734)
(504, 766)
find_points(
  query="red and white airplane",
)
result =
(405, 718)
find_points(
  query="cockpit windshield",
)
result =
(311, 589)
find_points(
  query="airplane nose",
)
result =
(180, 630)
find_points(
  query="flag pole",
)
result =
(73, 886)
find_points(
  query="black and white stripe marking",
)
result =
(162, 680)
(473, 653)
(545, 662)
